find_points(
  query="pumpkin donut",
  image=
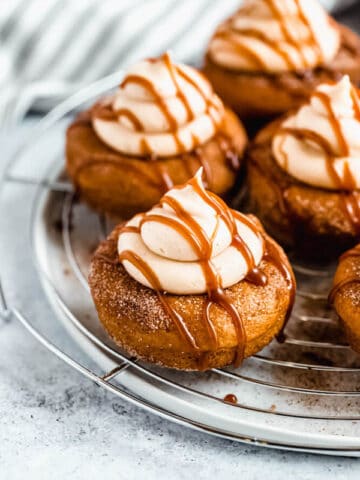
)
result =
(271, 54)
(345, 295)
(197, 314)
(303, 176)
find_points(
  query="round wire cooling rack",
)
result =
(303, 394)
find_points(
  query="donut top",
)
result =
(160, 109)
(320, 144)
(192, 243)
(275, 36)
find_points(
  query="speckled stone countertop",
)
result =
(56, 424)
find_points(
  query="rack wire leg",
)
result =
(5, 313)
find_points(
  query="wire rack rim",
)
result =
(51, 119)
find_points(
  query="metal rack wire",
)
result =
(293, 369)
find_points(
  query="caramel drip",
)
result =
(283, 26)
(104, 112)
(149, 87)
(251, 55)
(272, 44)
(204, 163)
(125, 112)
(151, 277)
(310, 135)
(171, 119)
(189, 229)
(162, 173)
(179, 92)
(130, 229)
(348, 180)
(231, 398)
(202, 245)
(311, 32)
(242, 50)
(257, 277)
(355, 100)
(334, 122)
(209, 102)
(290, 39)
(108, 114)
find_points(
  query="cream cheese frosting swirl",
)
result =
(275, 36)
(160, 109)
(320, 144)
(191, 243)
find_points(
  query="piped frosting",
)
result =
(275, 36)
(160, 109)
(192, 242)
(320, 144)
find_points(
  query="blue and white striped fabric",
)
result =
(79, 41)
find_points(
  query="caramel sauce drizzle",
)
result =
(208, 100)
(179, 93)
(311, 32)
(242, 50)
(134, 120)
(345, 183)
(284, 28)
(153, 280)
(272, 44)
(249, 53)
(105, 112)
(202, 245)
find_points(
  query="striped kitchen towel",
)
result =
(79, 41)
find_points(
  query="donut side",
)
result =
(346, 297)
(312, 220)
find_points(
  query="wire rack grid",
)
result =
(312, 377)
